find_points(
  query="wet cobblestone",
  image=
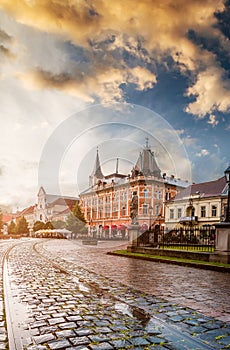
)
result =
(75, 308)
(205, 291)
(3, 327)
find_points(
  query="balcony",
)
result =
(188, 220)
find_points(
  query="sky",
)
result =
(76, 75)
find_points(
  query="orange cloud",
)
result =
(161, 26)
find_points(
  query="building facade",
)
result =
(106, 203)
(199, 204)
(51, 207)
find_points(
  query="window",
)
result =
(144, 208)
(167, 196)
(203, 211)
(123, 211)
(214, 210)
(157, 209)
(179, 213)
(115, 211)
(145, 193)
(171, 213)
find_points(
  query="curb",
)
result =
(176, 262)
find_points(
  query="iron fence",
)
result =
(189, 238)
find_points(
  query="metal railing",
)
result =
(187, 238)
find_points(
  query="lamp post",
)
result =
(150, 216)
(227, 176)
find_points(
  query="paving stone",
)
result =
(77, 348)
(67, 325)
(74, 318)
(48, 329)
(38, 324)
(155, 340)
(98, 338)
(3, 337)
(139, 341)
(192, 322)
(82, 332)
(224, 341)
(103, 330)
(102, 346)
(120, 343)
(59, 344)
(56, 320)
(80, 340)
(43, 338)
(197, 329)
(65, 333)
(176, 318)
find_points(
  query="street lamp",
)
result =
(150, 214)
(227, 176)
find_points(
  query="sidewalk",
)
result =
(176, 261)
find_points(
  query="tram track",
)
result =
(143, 315)
(89, 287)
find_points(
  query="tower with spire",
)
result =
(146, 163)
(97, 174)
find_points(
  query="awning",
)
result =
(113, 227)
(105, 227)
(121, 227)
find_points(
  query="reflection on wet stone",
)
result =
(91, 311)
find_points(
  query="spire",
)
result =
(117, 166)
(97, 168)
(97, 173)
(146, 163)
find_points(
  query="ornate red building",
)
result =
(106, 203)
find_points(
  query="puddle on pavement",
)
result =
(82, 287)
(133, 311)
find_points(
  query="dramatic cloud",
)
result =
(111, 32)
(5, 41)
(212, 93)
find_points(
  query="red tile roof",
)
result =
(7, 218)
(27, 211)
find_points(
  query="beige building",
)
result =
(199, 204)
(51, 207)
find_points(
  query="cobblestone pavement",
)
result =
(58, 303)
(205, 291)
(3, 330)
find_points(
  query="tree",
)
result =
(76, 221)
(1, 222)
(38, 225)
(12, 228)
(22, 226)
(58, 224)
(48, 226)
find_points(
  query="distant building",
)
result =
(28, 214)
(199, 204)
(51, 207)
(106, 203)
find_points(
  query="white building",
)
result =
(199, 204)
(51, 207)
